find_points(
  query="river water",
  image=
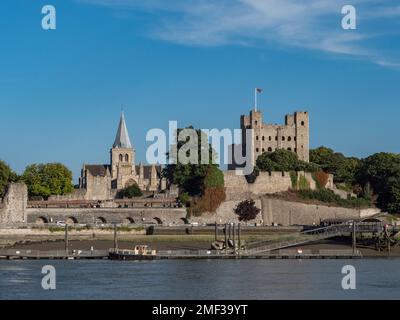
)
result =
(201, 279)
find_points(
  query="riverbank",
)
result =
(187, 243)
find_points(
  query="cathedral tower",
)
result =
(122, 157)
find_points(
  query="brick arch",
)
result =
(41, 220)
(71, 220)
(101, 220)
(128, 220)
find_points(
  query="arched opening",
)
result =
(41, 220)
(289, 149)
(289, 138)
(158, 220)
(128, 220)
(71, 220)
(129, 183)
(269, 149)
(302, 123)
(126, 158)
(121, 158)
(100, 220)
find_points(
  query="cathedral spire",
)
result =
(122, 139)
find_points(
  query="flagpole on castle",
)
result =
(255, 99)
(256, 92)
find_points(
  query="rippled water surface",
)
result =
(201, 279)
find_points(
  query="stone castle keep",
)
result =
(103, 181)
(293, 135)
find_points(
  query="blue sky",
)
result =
(196, 62)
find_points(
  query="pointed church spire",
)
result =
(122, 139)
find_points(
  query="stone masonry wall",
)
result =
(237, 187)
(14, 204)
(288, 213)
(108, 215)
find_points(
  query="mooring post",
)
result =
(115, 238)
(234, 236)
(239, 236)
(226, 238)
(66, 239)
(354, 237)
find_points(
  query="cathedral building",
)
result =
(103, 181)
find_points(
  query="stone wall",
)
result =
(237, 187)
(13, 208)
(107, 215)
(76, 194)
(225, 214)
(288, 213)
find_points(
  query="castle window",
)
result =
(302, 123)
(263, 138)
(255, 122)
(289, 149)
(257, 138)
(263, 150)
(257, 150)
(295, 138)
(276, 138)
(289, 138)
(283, 138)
(269, 149)
(121, 158)
(295, 149)
(126, 158)
(270, 138)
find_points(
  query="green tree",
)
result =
(382, 172)
(283, 160)
(130, 192)
(44, 180)
(190, 177)
(344, 169)
(247, 210)
(6, 176)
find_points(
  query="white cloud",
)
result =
(312, 24)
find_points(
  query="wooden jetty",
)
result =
(120, 254)
(15, 254)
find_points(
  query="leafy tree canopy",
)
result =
(382, 172)
(247, 210)
(6, 176)
(190, 177)
(343, 168)
(130, 192)
(283, 160)
(44, 180)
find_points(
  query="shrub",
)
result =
(303, 183)
(329, 196)
(130, 192)
(293, 178)
(321, 179)
(247, 210)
